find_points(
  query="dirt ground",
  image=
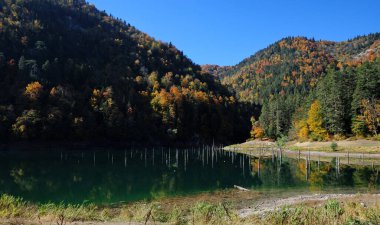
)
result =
(276, 204)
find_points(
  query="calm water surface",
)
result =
(105, 176)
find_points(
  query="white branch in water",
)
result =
(241, 188)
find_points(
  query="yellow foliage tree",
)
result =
(201, 96)
(300, 128)
(303, 129)
(33, 90)
(101, 100)
(257, 131)
(303, 133)
(95, 99)
(315, 122)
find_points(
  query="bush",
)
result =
(334, 146)
(377, 138)
(11, 207)
(281, 141)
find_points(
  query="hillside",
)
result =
(217, 71)
(287, 77)
(293, 63)
(71, 72)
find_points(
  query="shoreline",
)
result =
(253, 207)
(273, 205)
(267, 149)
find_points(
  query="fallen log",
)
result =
(241, 188)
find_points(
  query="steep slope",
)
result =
(293, 64)
(217, 71)
(71, 72)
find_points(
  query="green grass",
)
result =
(199, 213)
(330, 212)
(13, 207)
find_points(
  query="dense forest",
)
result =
(310, 89)
(71, 72)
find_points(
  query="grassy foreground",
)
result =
(359, 210)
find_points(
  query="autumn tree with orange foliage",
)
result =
(257, 132)
(33, 90)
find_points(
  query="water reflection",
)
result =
(108, 176)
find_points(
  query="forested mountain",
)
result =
(71, 72)
(217, 71)
(292, 63)
(291, 74)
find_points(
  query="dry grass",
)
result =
(355, 211)
(362, 209)
(361, 146)
(352, 146)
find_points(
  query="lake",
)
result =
(105, 176)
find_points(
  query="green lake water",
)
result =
(105, 176)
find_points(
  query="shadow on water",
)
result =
(112, 175)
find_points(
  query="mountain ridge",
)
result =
(70, 71)
(352, 51)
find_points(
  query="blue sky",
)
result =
(225, 32)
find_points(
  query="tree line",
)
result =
(346, 101)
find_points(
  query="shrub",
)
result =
(377, 138)
(334, 146)
(281, 141)
(11, 206)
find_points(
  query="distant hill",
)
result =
(71, 72)
(217, 71)
(292, 64)
(297, 80)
